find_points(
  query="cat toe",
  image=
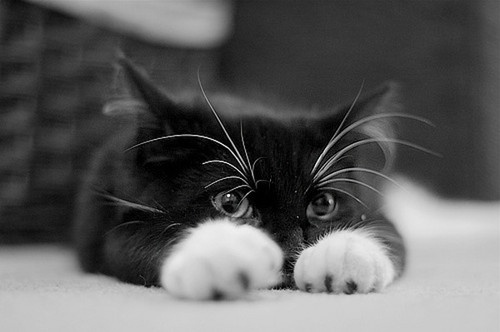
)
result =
(347, 262)
(244, 280)
(350, 287)
(329, 283)
(240, 286)
(221, 260)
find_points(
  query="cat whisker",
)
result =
(353, 181)
(188, 136)
(331, 161)
(216, 161)
(259, 181)
(167, 228)
(358, 169)
(378, 117)
(250, 168)
(235, 177)
(253, 166)
(236, 188)
(122, 225)
(132, 205)
(255, 163)
(346, 193)
(237, 154)
(358, 123)
(158, 205)
(244, 197)
(344, 119)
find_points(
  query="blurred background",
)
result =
(56, 73)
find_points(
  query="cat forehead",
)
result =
(269, 125)
(239, 108)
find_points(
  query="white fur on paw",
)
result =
(349, 261)
(220, 259)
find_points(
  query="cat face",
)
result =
(294, 174)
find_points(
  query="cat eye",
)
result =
(233, 205)
(323, 206)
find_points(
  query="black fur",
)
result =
(170, 176)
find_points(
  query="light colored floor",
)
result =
(452, 284)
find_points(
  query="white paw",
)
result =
(220, 259)
(344, 262)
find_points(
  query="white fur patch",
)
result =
(349, 261)
(221, 259)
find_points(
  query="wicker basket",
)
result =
(55, 74)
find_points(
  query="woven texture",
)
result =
(56, 72)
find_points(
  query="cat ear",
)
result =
(156, 119)
(161, 106)
(365, 115)
(384, 99)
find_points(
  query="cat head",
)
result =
(295, 173)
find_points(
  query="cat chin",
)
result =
(220, 259)
(347, 261)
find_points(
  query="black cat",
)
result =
(213, 196)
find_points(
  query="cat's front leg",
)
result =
(220, 259)
(348, 261)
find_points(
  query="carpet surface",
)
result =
(452, 284)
